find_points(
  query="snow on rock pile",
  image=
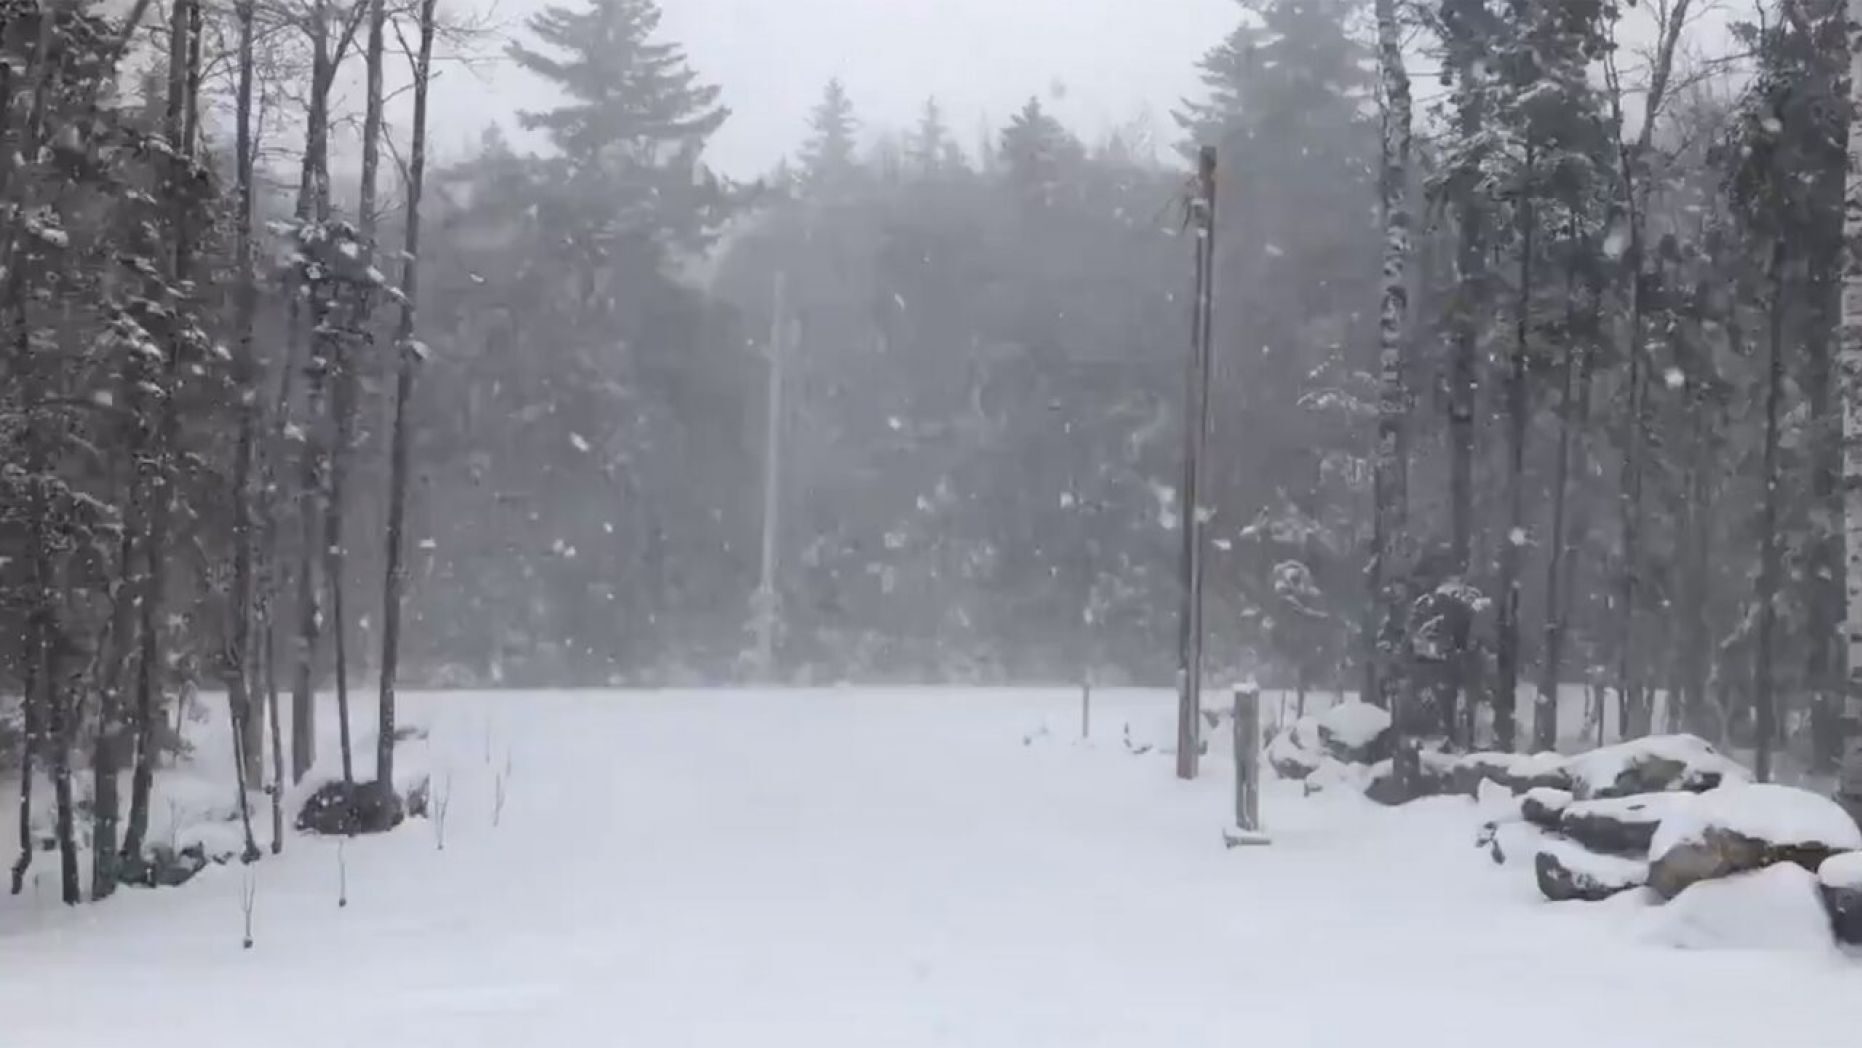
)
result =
(1567, 871)
(1745, 827)
(1355, 732)
(1333, 776)
(1542, 805)
(1657, 764)
(1296, 752)
(1840, 877)
(1620, 825)
(1775, 908)
(1518, 772)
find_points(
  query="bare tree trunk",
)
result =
(1390, 523)
(1633, 159)
(1560, 569)
(161, 472)
(1513, 543)
(277, 732)
(1763, 699)
(28, 749)
(1849, 377)
(106, 806)
(313, 205)
(407, 360)
(1471, 282)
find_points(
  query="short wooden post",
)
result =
(1086, 709)
(1248, 757)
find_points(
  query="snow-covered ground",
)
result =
(873, 868)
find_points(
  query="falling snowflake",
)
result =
(1674, 378)
(578, 442)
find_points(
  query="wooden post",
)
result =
(1086, 709)
(1248, 757)
(1195, 440)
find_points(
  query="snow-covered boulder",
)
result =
(1620, 825)
(1566, 872)
(1739, 828)
(1840, 878)
(1296, 752)
(1518, 772)
(1775, 908)
(1355, 732)
(1542, 806)
(1333, 776)
(1657, 764)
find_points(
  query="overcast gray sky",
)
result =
(1100, 63)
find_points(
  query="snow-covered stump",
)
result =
(1840, 881)
(1736, 829)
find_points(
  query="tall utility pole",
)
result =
(1195, 441)
(766, 599)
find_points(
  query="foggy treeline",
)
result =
(256, 402)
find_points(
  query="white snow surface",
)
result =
(1355, 724)
(864, 867)
(1842, 871)
(1762, 811)
(1775, 908)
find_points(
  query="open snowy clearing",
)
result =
(867, 867)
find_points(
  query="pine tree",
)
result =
(829, 164)
(1036, 152)
(932, 147)
(633, 124)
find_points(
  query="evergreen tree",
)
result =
(1036, 153)
(829, 160)
(634, 123)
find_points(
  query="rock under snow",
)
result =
(1657, 764)
(1566, 872)
(1775, 908)
(1355, 732)
(1745, 827)
(1518, 772)
(1542, 805)
(1333, 776)
(1840, 877)
(1620, 825)
(345, 808)
(1296, 752)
